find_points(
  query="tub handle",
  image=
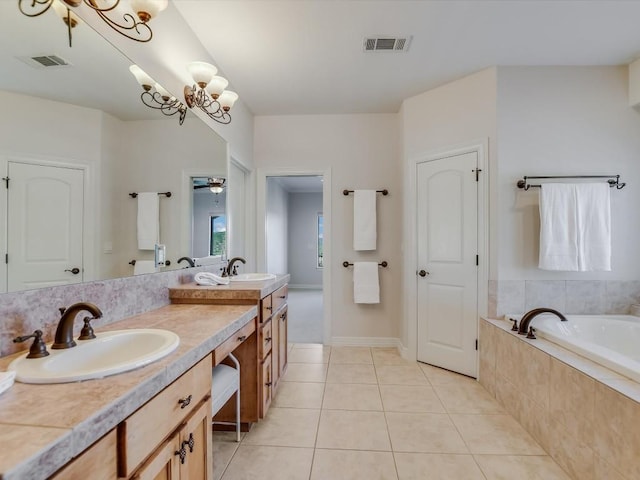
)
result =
(531, 333)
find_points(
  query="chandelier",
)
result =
(208, 92)
(131, 27)
(156, 97)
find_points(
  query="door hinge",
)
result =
(6, 181)
(477, 260)
(477, 172)
(476, 344)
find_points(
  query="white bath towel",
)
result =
(207, 278)
(594, 226)
(364, 220)
(366, 286)
(148, 220)
(144, 266)
(558, 228)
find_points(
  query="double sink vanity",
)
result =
(154, 421)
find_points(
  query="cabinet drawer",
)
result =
(279, 297)
(99, 459)
(230, 344)
(266, 340)
(267, 385)
(160, 416)
(266, 308)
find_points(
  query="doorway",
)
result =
(450, 259)
(294, 244)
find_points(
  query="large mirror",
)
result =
(75, 142)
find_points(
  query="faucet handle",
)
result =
(38, 349)
(514, 328)
(87, 330)
(62, 310)
(531, 333)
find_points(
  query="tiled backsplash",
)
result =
(568, 296)
(23, 312)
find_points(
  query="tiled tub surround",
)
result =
(42, 427)
(23, 312)
(568, 296)
(584, 415)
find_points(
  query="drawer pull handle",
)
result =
(182, 453)
(191, 443)
(284, 317)
(268, 384)
(283, 296)
(184, 401)
(268, 308)
(268, 339)
(242, 338)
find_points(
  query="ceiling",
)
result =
(299, 183)
(306, 56)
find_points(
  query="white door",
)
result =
(447, 273)
(44, 226)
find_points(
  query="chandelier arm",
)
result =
(44, 5)
(130, 23)
(222, 117)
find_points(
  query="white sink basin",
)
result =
(252, 277)
(108, 354)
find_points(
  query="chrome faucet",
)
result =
(64, 332)
(231, 268)
(524, 328)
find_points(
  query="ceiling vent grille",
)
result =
(45, 61)
(387, 44)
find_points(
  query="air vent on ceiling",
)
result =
(45, 61)
(387, 43)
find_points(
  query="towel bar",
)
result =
(381, 264)
(383, 192)
(613, 180)
(166, 194)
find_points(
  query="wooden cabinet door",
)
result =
(283, 340)
(266, 384)
(164, 465)
(195, 438)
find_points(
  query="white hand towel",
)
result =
(364, 220)
(207, 278)
(148, 220)
(366, 287)
(144, 266)
(594, 226)
(558, 227)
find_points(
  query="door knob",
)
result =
(423, 273)
(74, 270)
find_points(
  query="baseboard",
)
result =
(305, 287)
(366, 342)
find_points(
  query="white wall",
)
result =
(362, 151)
(565, 121)
(277, 211)
(457, 114)
(303, 239)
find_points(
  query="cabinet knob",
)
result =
(268, 384)
(268, 308)
(184, 401)
(182, 453)
(242, 338)
(190, 443)
(283, 296)
(268, 339)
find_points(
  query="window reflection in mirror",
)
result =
(209, 228)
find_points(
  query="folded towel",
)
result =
(144, 266)
(594, 226)
(207, 278)
(558, 227)
(366, 287)
(364, 220)
(148, 220)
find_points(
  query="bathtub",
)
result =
(611, 340)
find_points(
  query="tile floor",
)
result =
(350, 413)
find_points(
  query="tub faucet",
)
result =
(64, 332)
(231, 268)
(530, 315)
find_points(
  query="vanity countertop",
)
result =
(234, 291)
(42, 427)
